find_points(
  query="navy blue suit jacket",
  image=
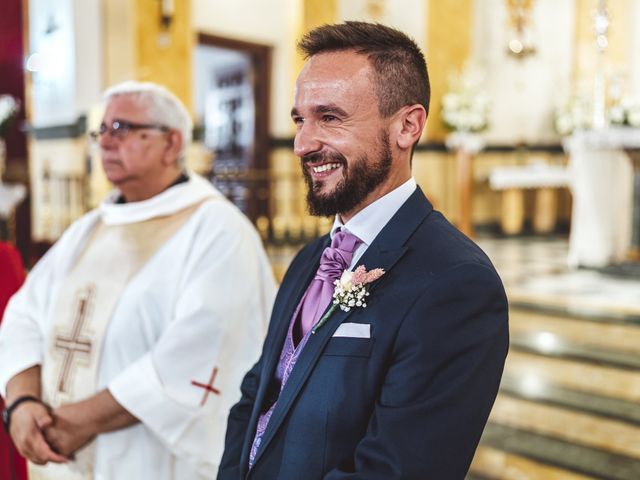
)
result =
(408, 403)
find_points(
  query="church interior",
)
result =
(532, 148)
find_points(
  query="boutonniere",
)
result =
(351, 290)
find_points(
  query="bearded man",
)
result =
(123, 352)
(394, 377)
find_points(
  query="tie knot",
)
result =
(337, 258)
(345, 241)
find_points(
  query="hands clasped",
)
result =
(49, 435)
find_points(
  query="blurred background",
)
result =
(532, 147)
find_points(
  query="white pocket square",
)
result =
(353, 330)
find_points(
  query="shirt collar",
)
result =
(367, 223)
(168, 202)
(183, 178)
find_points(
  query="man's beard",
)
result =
(359, 179)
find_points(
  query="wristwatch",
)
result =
(6, 413)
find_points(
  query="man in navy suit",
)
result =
(399, 386)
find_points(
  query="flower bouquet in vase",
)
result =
(8, 109)
(465, 109)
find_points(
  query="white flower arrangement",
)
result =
(577, 114)
(8, 109)
(465, 107)
(626, 112)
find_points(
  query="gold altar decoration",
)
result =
(520, 44)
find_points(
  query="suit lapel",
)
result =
(384, 252)
(300, 281)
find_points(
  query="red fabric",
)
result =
(12, 465)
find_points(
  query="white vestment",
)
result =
(199, 304)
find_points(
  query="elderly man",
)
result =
(123, 351)
(396, 378)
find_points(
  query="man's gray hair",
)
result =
(162, 107)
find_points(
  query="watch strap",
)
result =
(6, 413)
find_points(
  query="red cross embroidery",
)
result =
(208, 388)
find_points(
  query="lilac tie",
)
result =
(335, 259)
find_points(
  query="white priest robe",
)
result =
(183, 332)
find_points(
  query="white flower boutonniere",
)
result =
(351, 290)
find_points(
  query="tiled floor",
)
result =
(569, 404)
(536, 271)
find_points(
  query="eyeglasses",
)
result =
(120, 129)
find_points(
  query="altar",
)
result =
(602, 184)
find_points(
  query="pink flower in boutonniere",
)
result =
(351, 290)
(361, 277)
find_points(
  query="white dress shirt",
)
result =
(368, 222)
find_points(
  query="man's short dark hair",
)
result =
(400, 71)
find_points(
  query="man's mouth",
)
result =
(320, 167)
(111, 162)
(326, 167)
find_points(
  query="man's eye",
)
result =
(298, 120)
(330, 118)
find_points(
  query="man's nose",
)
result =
(306, 141)
(106, 140)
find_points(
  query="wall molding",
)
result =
(287, 142)
(58, 132)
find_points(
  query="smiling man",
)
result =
(396, 379)
(123, 352)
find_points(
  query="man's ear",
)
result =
(412, 119)
(174, 145)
